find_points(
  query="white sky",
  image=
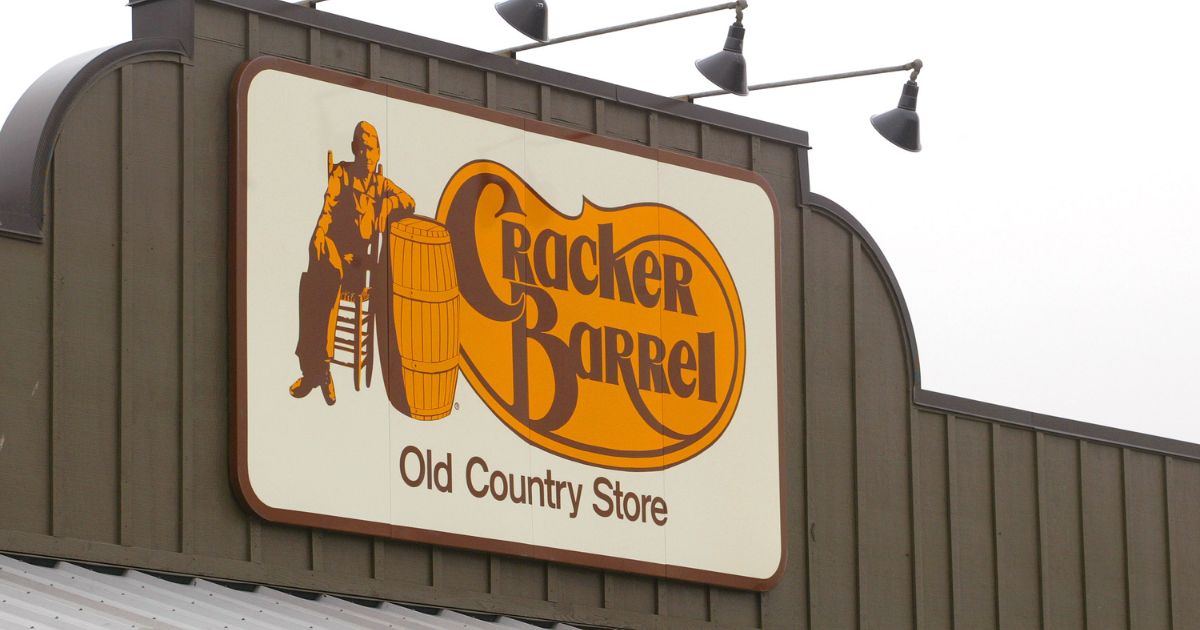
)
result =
(1045, 239)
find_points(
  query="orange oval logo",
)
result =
(614, 338)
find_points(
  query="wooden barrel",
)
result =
(424, 318)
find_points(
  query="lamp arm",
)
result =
(914, 65)
(739, 6)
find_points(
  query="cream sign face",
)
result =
(461, 327)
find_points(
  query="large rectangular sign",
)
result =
(461, 327)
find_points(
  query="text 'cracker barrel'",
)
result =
(425, 306)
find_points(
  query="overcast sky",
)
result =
(1045, 239)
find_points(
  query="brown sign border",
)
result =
(239, 473)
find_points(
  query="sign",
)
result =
(462, 327)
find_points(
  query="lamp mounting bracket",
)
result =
(915, 65)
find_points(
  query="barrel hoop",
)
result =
(430, 367)
(425, 239)
(422, 295)
(421, 231)
(431, 414)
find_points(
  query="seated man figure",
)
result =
(359, 203)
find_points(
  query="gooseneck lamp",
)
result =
(900, 126)
(727, 68)
(529, 17)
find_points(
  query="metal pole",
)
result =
(740, 5)
(914, 65)
(312, 4)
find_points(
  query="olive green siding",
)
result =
(900, 513)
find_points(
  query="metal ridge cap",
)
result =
(970, 408)
(280, 9)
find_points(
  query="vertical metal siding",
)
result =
(972, 524)
(1061, 533)
(786, 606)
(25, 461)
(884, 502)
(1183, 546)
(831, 424)
(930, 461)
(220, 529)
(1146, 532)
(85, 320)
(1103, 507)
(1017, 547)
(150, 314)
(899, 515)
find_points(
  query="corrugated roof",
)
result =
(69, 596)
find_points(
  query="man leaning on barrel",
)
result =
(359, 203)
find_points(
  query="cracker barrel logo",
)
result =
(614, 338)
(545, 343)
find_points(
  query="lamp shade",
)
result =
(727, 69)
(527, 16)
(901, 126)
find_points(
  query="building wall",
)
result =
(904, 509)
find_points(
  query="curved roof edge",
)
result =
(28, 136)
(969, 408)
(910, 338)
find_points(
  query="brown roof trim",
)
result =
(28, 136)
(487, 61)
(1122, 438)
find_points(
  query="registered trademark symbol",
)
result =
(456, 406)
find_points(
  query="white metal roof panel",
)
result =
(70, 596)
